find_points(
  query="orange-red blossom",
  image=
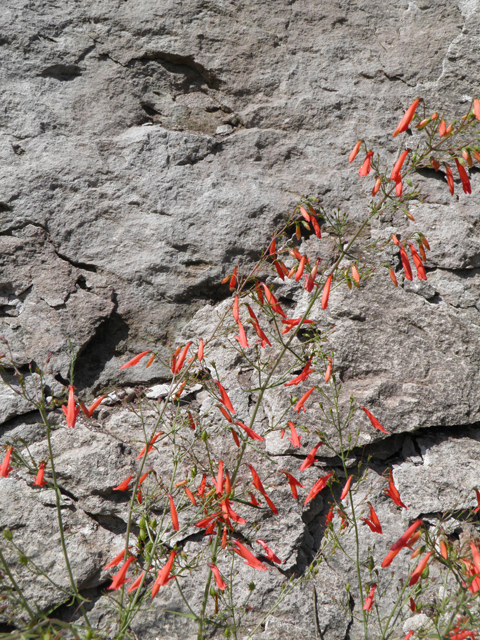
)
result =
(303, 376)
(407, 118)
(419, 569)
(6, 468)
(218, 578)
(405, 537)
(248, 556)
(365, 168)
(320, 484)
(393, 493)
(463, 177)
(326, 292)
(373, 521)
(257, 483)
(373, 420)
(346, 488)
(355, 151)
(163, 575)
(303, 399)
(71, 412)
(269, 553)
(119, 578)
(135, 360)
(369, 600)
(39, 481)
(293, 482)
(310, 459)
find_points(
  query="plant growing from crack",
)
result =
(200, 519)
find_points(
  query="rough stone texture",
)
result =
(147, 147)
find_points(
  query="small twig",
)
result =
(318, 631)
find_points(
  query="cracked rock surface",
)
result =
(149, 146)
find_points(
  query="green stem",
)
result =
(15, 586)
(58, 501)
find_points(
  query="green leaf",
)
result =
(190, 616)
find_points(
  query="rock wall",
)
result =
(146, 148)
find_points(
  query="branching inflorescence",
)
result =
(219, 497)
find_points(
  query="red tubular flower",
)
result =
(463, 177)
(259, 294)
(269, 553)
(392, 492)
(304, 213)
(254, 501)
(320, 484)
(6, 468)
(443, 550)
(230, 513)
(435, 163)
(142, 478)
(173, 513)
(235, 311)
(355, 274)
(355, 151)
(477, 509)
(119, 578)
(200, 350)
(152, 441)
(387, 561)
(39, 481)
(295, 440)
(421, 274)
(419, 570)
(181, 357)
(250, 432)
(228, 484)
(201, 488)
(190, 496)
(233, 280)
(137, 583)
(329, 517)
(235, 437)
(303, 376)
(407, 118)
(476, 557)
(293, 482)
(300, 269)
(257, 483)
(123, 486)
(225, 399)
(467, 157)
(373, 420)
(70, 411)
(405, 537)
(393, 276)
(280, 271)
(409, 635)
(242, 338)
(346, 488)
(442, 129)
(272, 301)
(328, 372)
(116, 560)
(94, 405)
(310, 280)
(316, 227)
(373, 521)
(449, 175)
(476, 108)
(369, 600)
(326, 292)
(219, 482)
(225, 413)
(399, 189)
(365, 168)
(406, 263)
(248, 556)
(303, 399)
(376, 186)
(135, 360)
(273, 247)
(150, 361)
(421, 250)
(163, 575)
(310, 459)
(395, 176)
(218, 578)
